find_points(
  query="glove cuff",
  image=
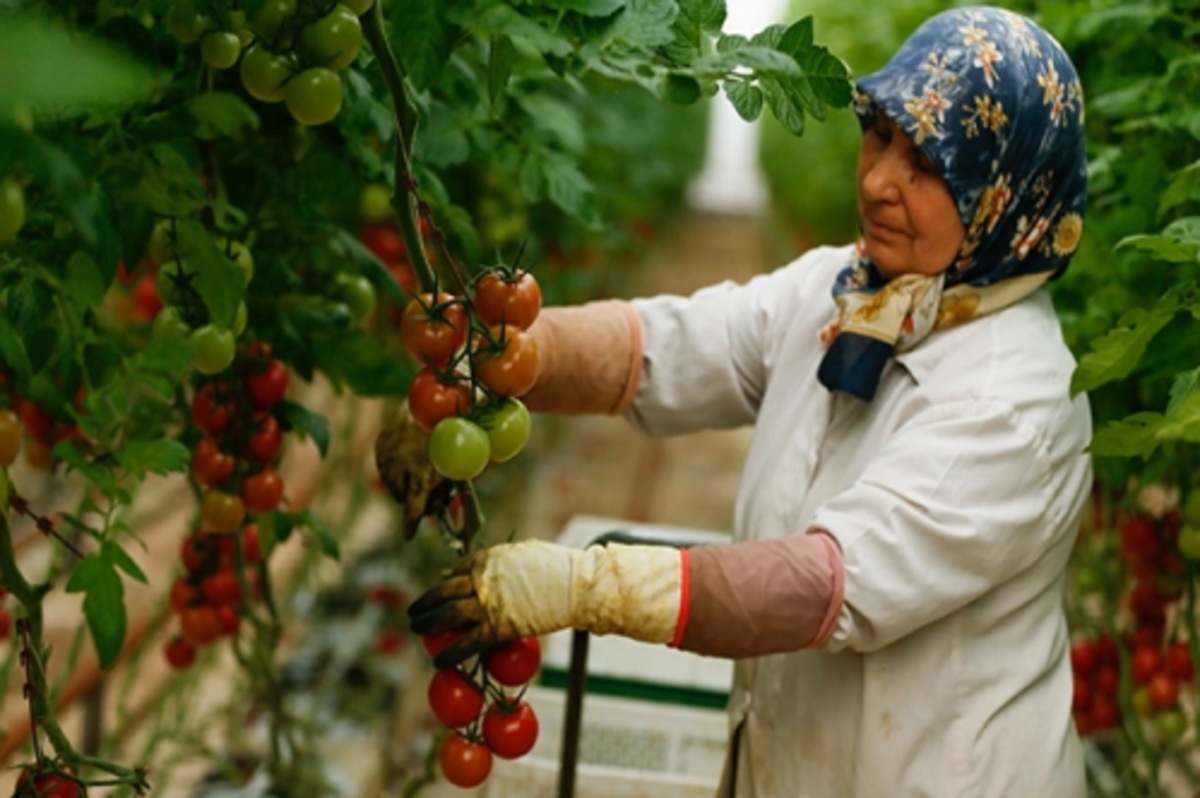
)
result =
(634, 591)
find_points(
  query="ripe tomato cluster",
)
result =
(234, 460)
(1158, 666)
(474, 701)
(478, 357)
(284, 53)
(47, 782)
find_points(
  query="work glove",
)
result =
(515, 590)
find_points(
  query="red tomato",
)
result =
(1104, 715)
(1179, 662)
(1139, 536)
(262, 492)
(515, 663)
(5, 623)
(437, 642)
(211, 466)
(46, 785)
(10, 437)
(230, 620)
(510, 730)
(464, 763)
(1081, 697)
(1164, 691)
(454, 700)
(384, 240)
(1108, 680)
(265, 443)
(183, 595)
(251, 546)
(200, 625)
(389, 641)
(221, 512)
(180, 654)
(513, 302)
(221, 588)
(267, 386)
(210, 408)
(1146, 664)
(194, 552)
(37, 422)
(146, 299)
(510, 366)
(1106, 650)
(1085, 657)
(434, 331)
(430, 400)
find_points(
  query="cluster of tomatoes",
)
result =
(1158, 666)
(475, 702)
(47, 782)
(479, 347)
(286, 54)
(27, 420)
(234, 464)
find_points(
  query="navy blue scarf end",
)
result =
(853, 365)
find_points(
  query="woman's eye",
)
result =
(925, 163)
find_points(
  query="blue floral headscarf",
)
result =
(995, 103)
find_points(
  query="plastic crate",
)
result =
(627, 749)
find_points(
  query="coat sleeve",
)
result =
(965, 496)
(707, 357)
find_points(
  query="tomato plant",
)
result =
(211, 466)
(266, 387)
(434, 329)
(510, 730)
(507, 362)
(36, 784)
(430, 399)
(455, 701)
(464, 763)
(262, 492)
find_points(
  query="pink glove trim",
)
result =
(637, 346)
(837, 593)
(681, 623)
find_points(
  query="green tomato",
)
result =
(359, 7)
(1189, 541)
(169, 324)
(358, 294)
(459, 448)
(186, 23)
(12, 209)
(333, 41)
(212, 349)
(169, 275)
(314, 96)
(376, 202)
(1088, 580)
(162, 246)
(240, 318)
(220, 50)
(1171, 724)
(270, 18)
(264, 73)
(507, 427)
(240, 254)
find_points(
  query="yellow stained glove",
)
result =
(515, 590)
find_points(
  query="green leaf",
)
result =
(219, 280)
(12, 353)
(103, 605)
(501, 57)
(828, 77)
(559, 119)
(645, 23)
(219, 113)
(84, 282)
(325, 539)
(364, 363)
(494, 18)
(785, 108)
(422, 39)
(46, 67)
(346, 243)
(589, 8)
(101, 477)
(1115, 354)
(1184, 386)
(120, 558)
(682, 89)
(696, 22)
(746, 98)
(164, 356)
(798, 37)
(570, 190)
(298, 418)
(158, 456)
(1183, 187)
(440, 140)
(1135, 436)
(1182, 423)
(1162, 247)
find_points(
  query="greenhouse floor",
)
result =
(579, 466)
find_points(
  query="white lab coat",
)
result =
(955, 496)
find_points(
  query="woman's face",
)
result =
(909, 219)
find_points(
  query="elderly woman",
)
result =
(917, 470)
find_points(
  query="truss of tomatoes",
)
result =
(1157, 665)
(478, 358)
(475, 702)
(233, 465)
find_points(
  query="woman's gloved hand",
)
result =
(514, 590)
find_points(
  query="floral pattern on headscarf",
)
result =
(995, 103)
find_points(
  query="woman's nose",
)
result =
(885, 173)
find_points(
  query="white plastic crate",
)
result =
(627, 749)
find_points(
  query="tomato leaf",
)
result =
(363, 363)
(423, 41)
(219, 281)
(219, 113)
(103, 605)
(156, 456)
(501, 58)
(84, 282)
(1115, 354)
(746, 98)
(120, 558)
(1134, 436)
(324, 535)
(298, 418)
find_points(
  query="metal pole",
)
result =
(573, 716)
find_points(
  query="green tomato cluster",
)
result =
(282, 54)
(461, 448)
